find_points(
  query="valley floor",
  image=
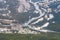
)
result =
(42, 36)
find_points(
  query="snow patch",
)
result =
(41, 19)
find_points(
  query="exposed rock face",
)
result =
(24, 6)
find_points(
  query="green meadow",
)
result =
(42, 36)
